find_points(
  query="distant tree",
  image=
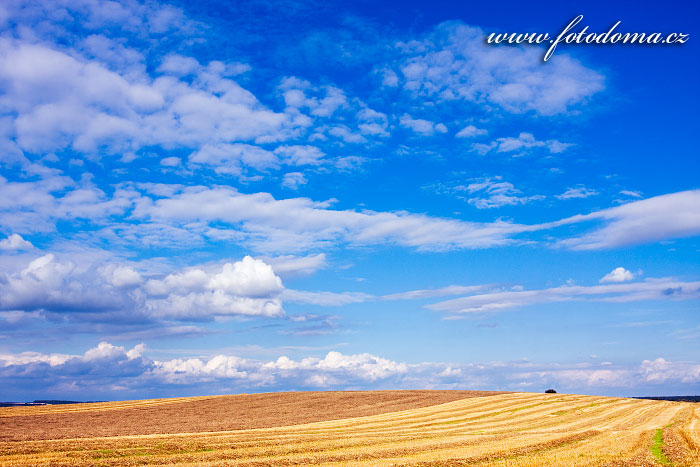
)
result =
(550, 391)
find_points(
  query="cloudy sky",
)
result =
(201, 198)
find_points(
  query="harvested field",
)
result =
(509, 429)
(212, 413)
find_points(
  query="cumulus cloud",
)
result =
(231, 159)
(318, 101)
(35, 206)
(15, 242)
(72, 102)
(372, 122)
(178, 65)
(293, 180)
(244, 288)
(107, 366)
(663, 371)
(300, 155)
(420, 126)
(170, 161)
(618, 275)
(47, 284)
(247, 287)
(470, 131)
(113, 371)
(350, 163)
(120, 276)
(344, 133)
(523, 142)
(453, 63)
(104, 369)
(149, 21)
(107, 351)
(494, 193)
(584, 377)
(389, 78)
(486, 193)
(26, 358)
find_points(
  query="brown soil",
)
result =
(216, 413)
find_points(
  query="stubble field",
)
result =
(387, 428)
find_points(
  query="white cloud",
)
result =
(389, 78)
(175, 214)
(454, 63)
(432, 293)
(346, 134)
(650, 289)
(131, 369)
(578, 192)
(349, 163)
(297, 223)
(372, 122)
(495, 193)
(293, 180)
(15, 242)
(587, 377)
(60, 100)
(345, 298)
(487, 193)
(292, 266)
(100, 369)
(248, 277)
(633, 194)
(470, 131)
(26, 358)
(142, 20)
(524, 142)
(170, 161)
(136, 352)
(662, 371)
(325, 298)
(178, 65)
(248, 287)
(323, 102)
(181, 371)
(365, 366)
(48, 284)
(120, 276)
(618, 275)
(662, 217)
(300, 155)
(107, 351)
(420, 126)
(34, 206)
(232, 158)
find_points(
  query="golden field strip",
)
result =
(512, 429)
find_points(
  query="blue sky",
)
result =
(205, 198)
